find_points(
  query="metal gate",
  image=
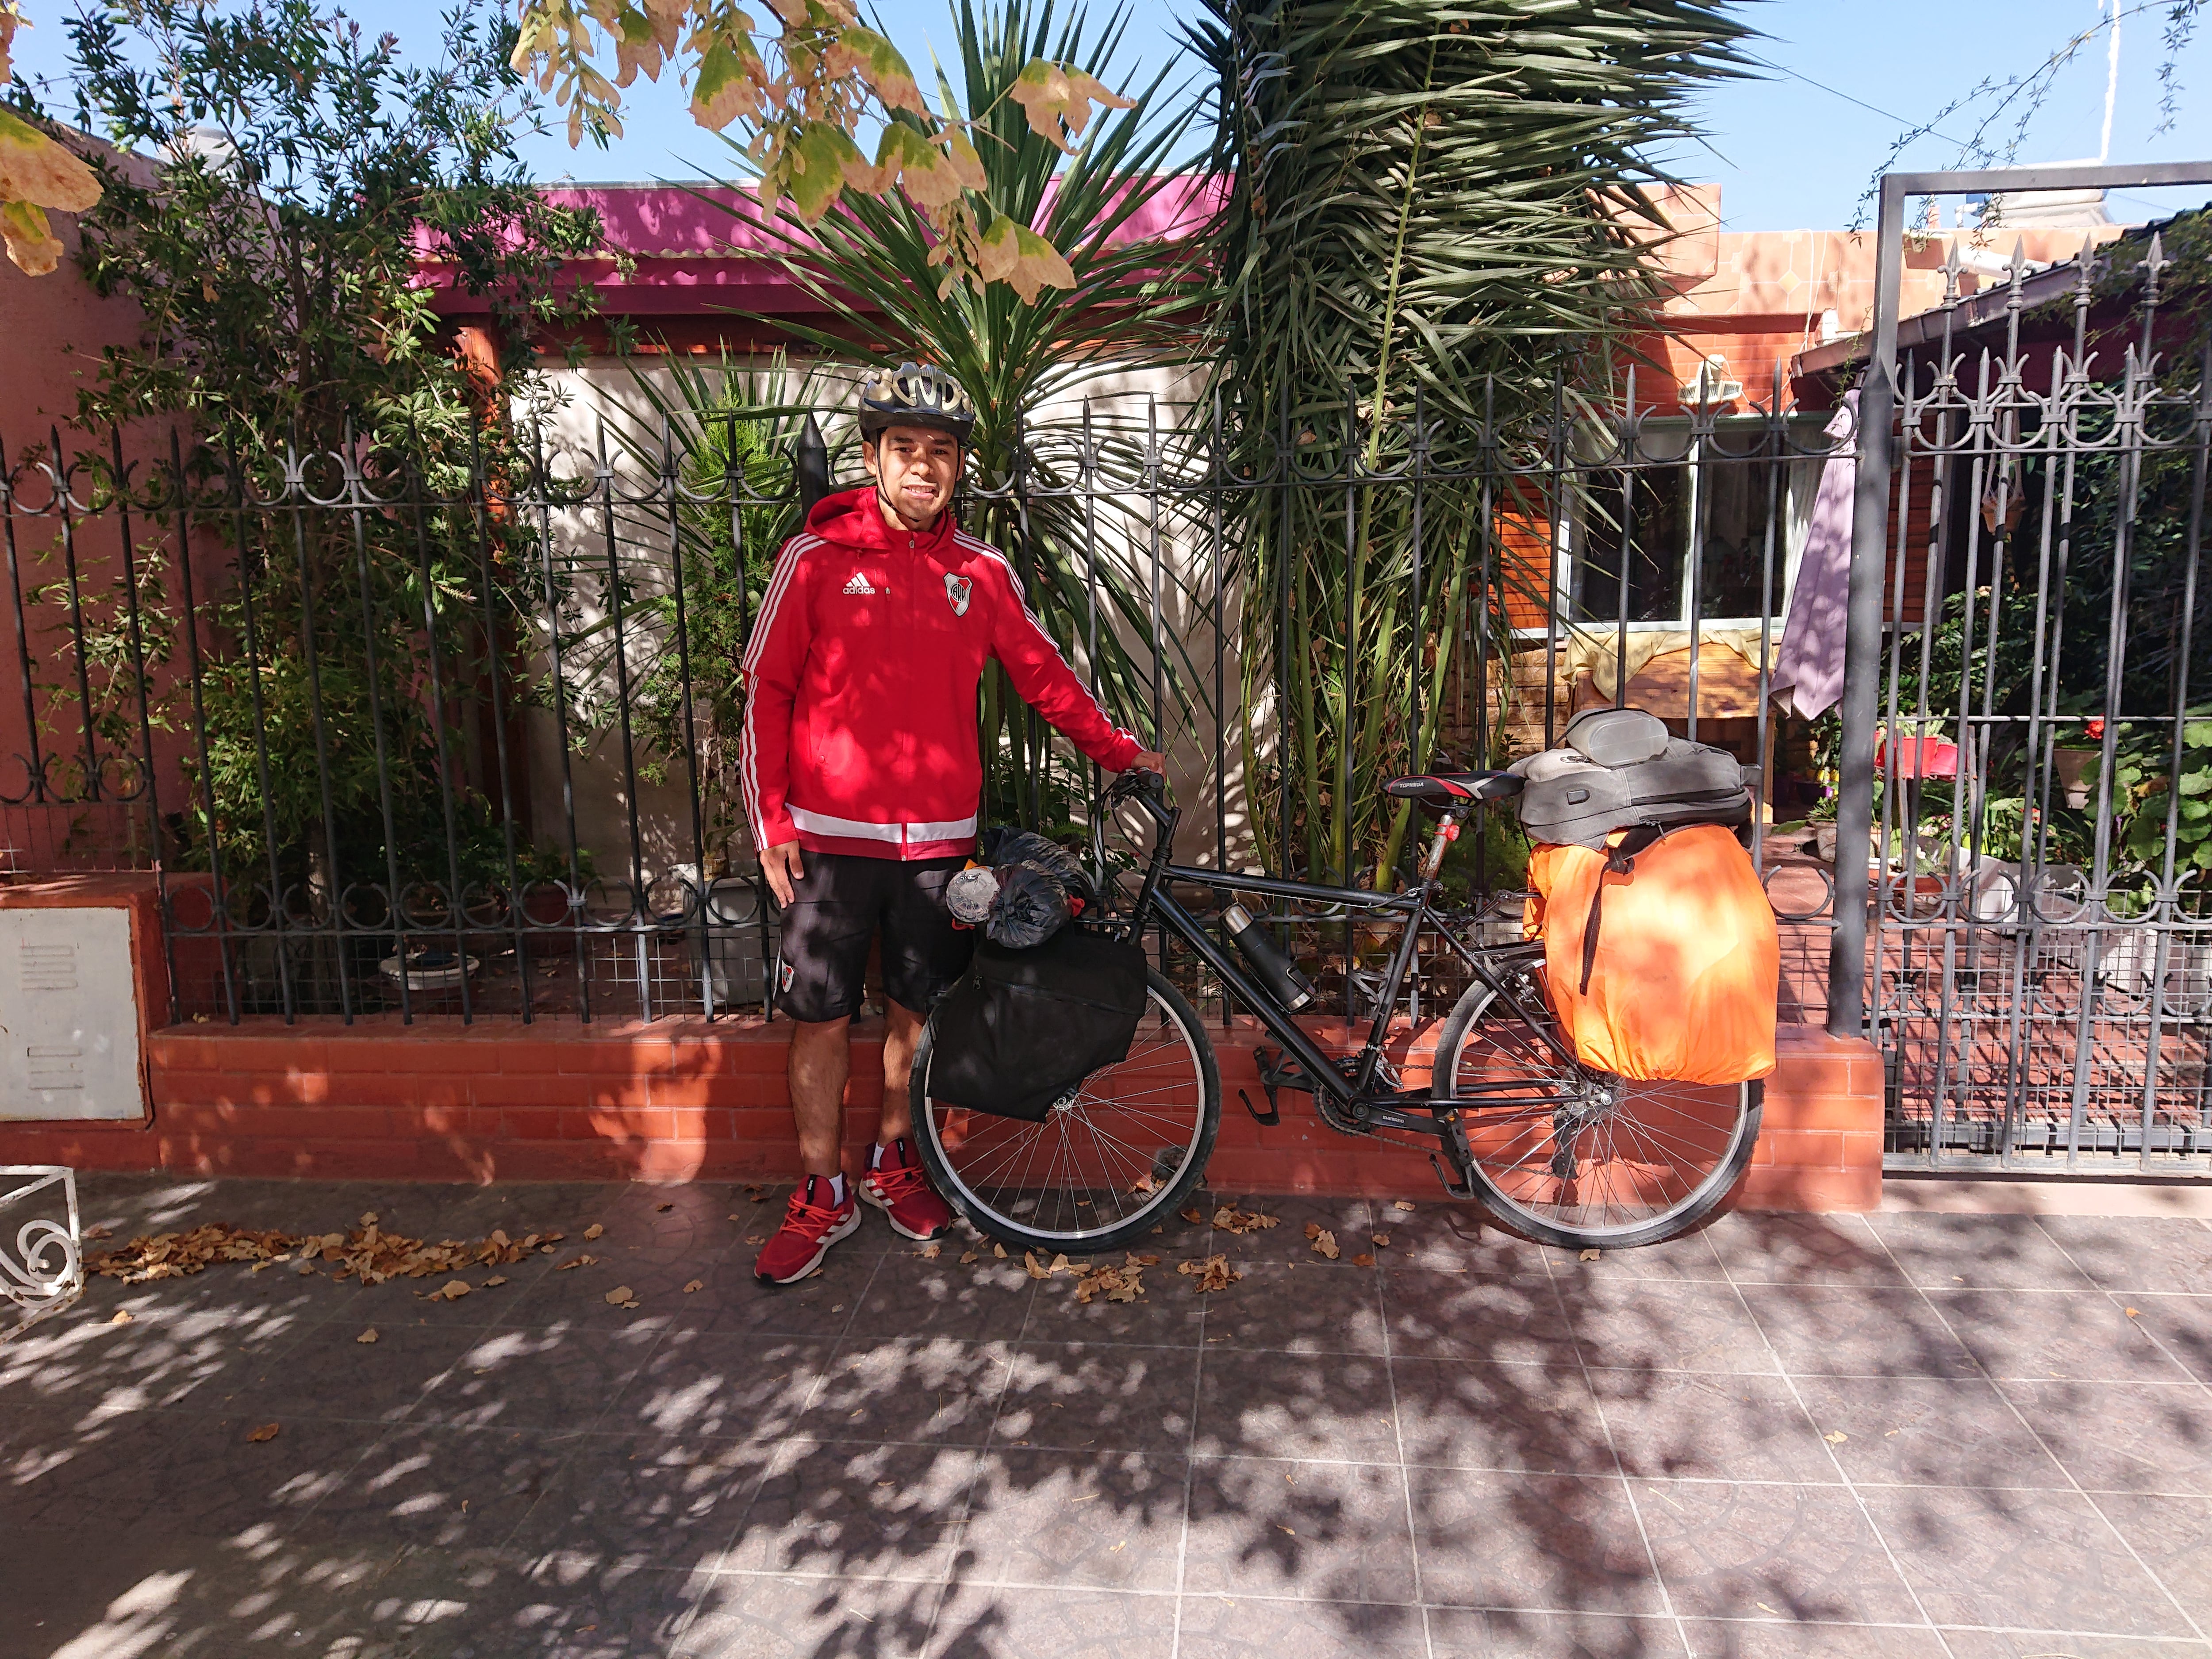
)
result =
(2026, 781)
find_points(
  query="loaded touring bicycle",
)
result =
(1555, 1148)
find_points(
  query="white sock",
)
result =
(837, 1188)
(876, 1156)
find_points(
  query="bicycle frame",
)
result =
(1356, 1095)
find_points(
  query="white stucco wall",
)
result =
(606, 398)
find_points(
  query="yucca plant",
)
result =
(1440, 205)
(1026, 357)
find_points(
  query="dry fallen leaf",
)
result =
(496, 1279)
(755, 1193)
(969, 1256)
(368, 1335)
(695, 1285)
(1589, 1255)
(122, 1316)
(1059, 1263)
(1363, 1260)
(1213, 1274)
(1381, 1240)
(1123, 1284)
(1196, 1216)
(1324, 1243)
(664, 1208)
(368, 1219)
(999, 1251)
(266, 1431)
(593, 1231)
(1036, 1269)
(1835, 1438)
(931, 1252)
(619, 1295)
(2132, 1313)
(1231, 1219)
(454, 1289)
(578, 1260)
(1403, 1204)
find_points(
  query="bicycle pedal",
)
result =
(1268, 1119)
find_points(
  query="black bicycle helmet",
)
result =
(914, 394)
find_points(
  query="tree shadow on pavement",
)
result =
(1467, 1446)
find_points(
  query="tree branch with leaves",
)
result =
(36, 173)
(797, 95)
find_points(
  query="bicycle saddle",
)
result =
(1447, 789)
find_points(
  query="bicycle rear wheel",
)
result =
(1110, 1160)
(1579, 1157)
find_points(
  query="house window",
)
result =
(1720, 498)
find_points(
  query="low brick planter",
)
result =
(680, 1099)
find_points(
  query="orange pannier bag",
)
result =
(1679, 979)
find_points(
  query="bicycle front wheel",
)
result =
(1578, 1158)
(1109, 1161)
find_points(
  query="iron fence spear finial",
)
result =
(810, 461)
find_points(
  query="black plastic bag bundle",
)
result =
(1025, 889)
(1002, 845)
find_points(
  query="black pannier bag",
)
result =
(1618, 769)
(1021, 1028)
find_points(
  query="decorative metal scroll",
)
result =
(42, 1265)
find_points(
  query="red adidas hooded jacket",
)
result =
(860, 678)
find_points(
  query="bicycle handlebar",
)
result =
(1149, 789)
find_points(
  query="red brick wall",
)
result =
(679, 1100)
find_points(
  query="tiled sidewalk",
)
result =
(1989, 1438)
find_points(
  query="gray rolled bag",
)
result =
(1618, 768)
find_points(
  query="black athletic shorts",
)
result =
(838, 908)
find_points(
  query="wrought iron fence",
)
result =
(2040, 949)
(428, 735)
(420, 735)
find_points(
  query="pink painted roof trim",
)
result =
(700, 257)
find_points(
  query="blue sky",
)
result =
(1795, 150)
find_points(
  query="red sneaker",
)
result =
(898, 1188)
(809, 1230)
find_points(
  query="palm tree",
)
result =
(1027, 361)
(1443, 209)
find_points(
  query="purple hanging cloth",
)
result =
(1810, 663)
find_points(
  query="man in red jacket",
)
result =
(861, 777)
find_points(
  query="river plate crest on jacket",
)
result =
(957, 589)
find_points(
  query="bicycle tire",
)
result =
(932, 1120)
(1549, 1225)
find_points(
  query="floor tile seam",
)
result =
(1619, 1468)
(2095, 1508)
(1189, 1478)
(2119, 1300)
(837, 1343)
(1843, 1475)
(1191, 1595)
(1405, 1477)
(965, 1504)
